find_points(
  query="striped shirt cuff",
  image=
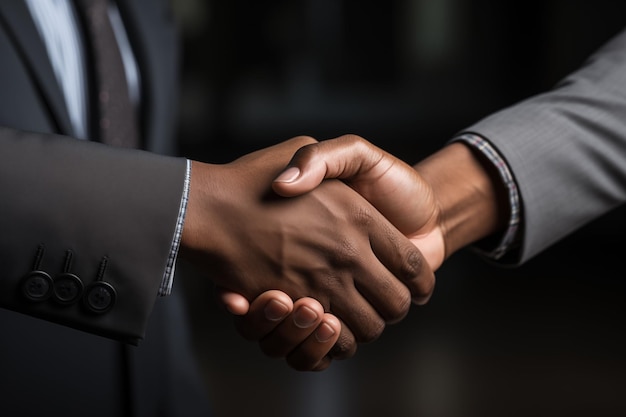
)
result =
(510, 235)
(168, 278)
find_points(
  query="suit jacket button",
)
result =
(67, 288)
(37, 286)
(100, 297)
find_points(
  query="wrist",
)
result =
(197, 216)
(471, 197)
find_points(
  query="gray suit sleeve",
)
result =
(567, 149)
(86, 230)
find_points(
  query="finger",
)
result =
(345, 347)
(345, 157)
(389, 272)
(387, 295)
(377, 296)
(403, 260)
(234, 303)
(360, 310)
(312, 353)
(303, 322)
(266, 312)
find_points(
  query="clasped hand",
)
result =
(346, 251)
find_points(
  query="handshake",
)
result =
(316, 246)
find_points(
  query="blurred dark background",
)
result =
(544, 339)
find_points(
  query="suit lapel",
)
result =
(19, 23)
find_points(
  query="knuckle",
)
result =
(411, 265)
(360, 146)
(372, 333)
(351, 139)
(304, 140)
(344, 255)
(363, 215)
(418, 275)
(400, 308)
(308, 151)
(344, 348)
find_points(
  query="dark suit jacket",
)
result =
(63, 194)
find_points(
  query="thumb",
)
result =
(346, 157)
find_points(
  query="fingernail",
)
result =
(275, 310)
(304, 317)
(288, 175)
(324, 333)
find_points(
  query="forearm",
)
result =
(469, 191)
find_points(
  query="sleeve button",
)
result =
(100, 297)
(67, 288)
(37, 286)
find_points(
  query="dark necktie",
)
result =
(116, 121)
